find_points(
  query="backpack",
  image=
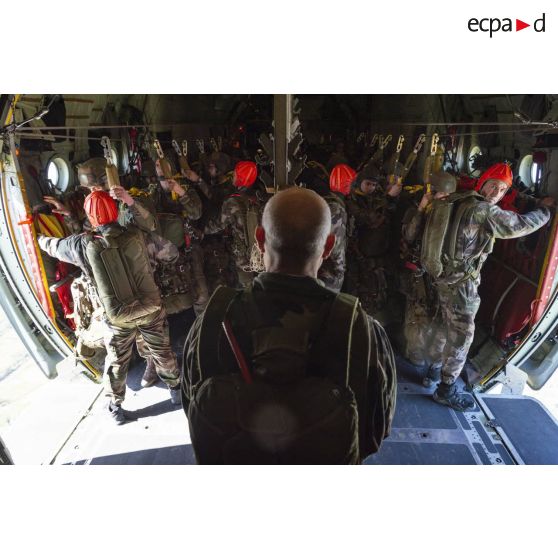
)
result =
(439, 241)
(291, 403)
(123, 276)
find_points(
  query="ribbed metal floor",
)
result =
(501, 430)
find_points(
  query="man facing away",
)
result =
(288, 371)
(117, 262)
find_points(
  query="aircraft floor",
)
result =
(158, 432)
(423, 432)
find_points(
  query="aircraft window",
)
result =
(534, 169)
(528, 170)
(58, 173)
(52, 173)
(473, 152)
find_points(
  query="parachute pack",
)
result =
(123, 276)
(439, 241)
(291, 401)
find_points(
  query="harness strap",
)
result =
(211, 328)
(332, 350)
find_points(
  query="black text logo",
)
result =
(495, 24)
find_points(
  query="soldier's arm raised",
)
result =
(508, 224)
(191, 204)
(69, 249)
(137, 215)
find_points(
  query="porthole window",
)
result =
(534, 170)
(52, 173)
(528, 171)
(58, 173)
(474, 152)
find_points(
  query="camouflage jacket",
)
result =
(480, 225)
(234, 217)
(301, 302)
(189, 205)
(369, 211)
(160, 250)
(211, 218)
(369, 218)
(332, 271)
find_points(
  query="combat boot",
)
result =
(175, 396)
(432, 375)
(447, 394)
(150, 375)
(117, 413)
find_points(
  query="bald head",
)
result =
(296, 225)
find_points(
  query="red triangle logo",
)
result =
(519, 25)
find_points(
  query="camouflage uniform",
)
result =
(189, 207)
(300, 303)
(369, 242)
(119, 341)
(234, 218)
(218, 263)
(421, 309)
(332, 271)
(457, 287)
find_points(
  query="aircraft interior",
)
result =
(295, 140)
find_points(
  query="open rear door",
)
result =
(24, 290)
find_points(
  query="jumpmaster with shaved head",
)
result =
(287, 371)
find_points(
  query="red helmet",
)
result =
(499, 171)
(100, 208)
(245, 174)
(341, 178)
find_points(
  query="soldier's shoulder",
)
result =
(232, 202)
(336, 204)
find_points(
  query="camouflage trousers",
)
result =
(458, 307)
(119, 343)
(372, 286)
(218, 264)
